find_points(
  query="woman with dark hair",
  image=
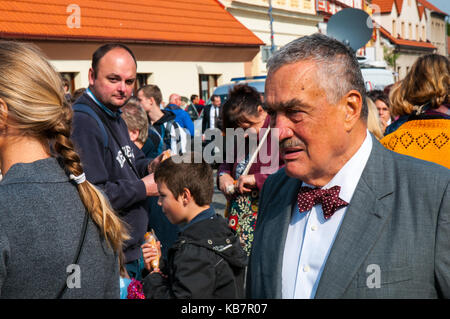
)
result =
(381, 101)
(241, 180)
(423, 96)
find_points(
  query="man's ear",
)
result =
(352, 103)
(91, 76)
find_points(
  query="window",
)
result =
(141, 80)
(307, 4)
(394, 29)
(410, 31)
(266, 53)
(424, 35)
(294, 3)
(70, 77)
(207, 83)
(417, 32)
(403, 30)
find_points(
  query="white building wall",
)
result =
(170, 76)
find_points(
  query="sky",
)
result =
(443, 5)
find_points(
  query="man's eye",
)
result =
(129, 82)
(113, 79)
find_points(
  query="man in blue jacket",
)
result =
(181, 116)
(110, 159)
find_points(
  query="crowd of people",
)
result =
(356, 179)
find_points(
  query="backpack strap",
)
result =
(83, 108)
(167, 135)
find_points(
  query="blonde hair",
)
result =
(34, 94)
(428, 81)
(373, 120)
(135, 118)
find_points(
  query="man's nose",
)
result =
(122, 86)
(281, 123)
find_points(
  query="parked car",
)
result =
(377, 78)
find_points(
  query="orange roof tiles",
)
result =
(386, 5)
(179, 21)
(404, 42)
(431, 7)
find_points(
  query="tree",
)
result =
(390, 56)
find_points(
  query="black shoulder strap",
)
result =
(83, 108)
(77, 256)
(101, 115)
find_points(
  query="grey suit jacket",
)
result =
(398, 220)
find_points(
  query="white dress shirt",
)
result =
(212, 116)
(310, 236)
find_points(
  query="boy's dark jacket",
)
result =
(207, 261)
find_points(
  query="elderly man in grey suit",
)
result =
(345, 218)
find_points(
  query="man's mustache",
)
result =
(291, 142)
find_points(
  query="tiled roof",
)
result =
(431, 7)
(386, 5)
(174, 21)
(407, 43)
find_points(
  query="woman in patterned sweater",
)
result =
(424, 93)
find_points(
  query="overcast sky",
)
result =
(443, 5)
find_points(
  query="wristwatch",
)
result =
(222, 173)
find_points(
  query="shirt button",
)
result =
(306, 268)
(313, 227)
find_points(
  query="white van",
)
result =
(377, 78)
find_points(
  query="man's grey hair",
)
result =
(338, 67)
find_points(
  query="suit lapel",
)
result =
(363, 222)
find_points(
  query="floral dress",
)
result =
(242, 211)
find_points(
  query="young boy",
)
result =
(207, 260)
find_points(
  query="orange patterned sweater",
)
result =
(427, 139)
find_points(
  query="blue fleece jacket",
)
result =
(182, 117)
(108, 169)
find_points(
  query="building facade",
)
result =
(291, 19)
(410, 29)
(185, 47)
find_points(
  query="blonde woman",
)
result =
(58, 236)
(374, 124)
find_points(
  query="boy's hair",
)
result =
(153, 91)
(180, 171)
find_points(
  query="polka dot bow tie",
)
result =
(329, 198)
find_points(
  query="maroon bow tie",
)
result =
(329, 198)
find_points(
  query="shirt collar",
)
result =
(348, 176)
(103, 107)
(207, 213)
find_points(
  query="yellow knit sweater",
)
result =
(427, 139)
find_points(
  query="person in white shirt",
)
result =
(345, 218)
